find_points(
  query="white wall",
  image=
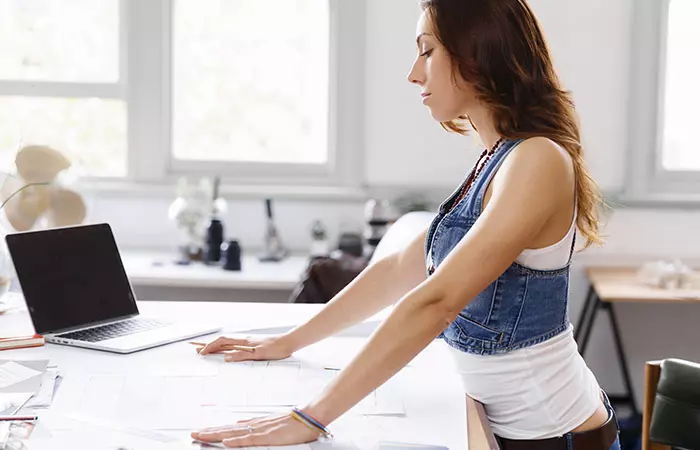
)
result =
(405, 146)
(590, 42)
(143, 222)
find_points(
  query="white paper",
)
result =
(92, 436)
(43, 398)
(125, 430)
(177, 403)
(197, 445)
(13, 373)
(13, 402)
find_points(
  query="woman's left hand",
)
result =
(279, 429)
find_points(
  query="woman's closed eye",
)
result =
(427, 53)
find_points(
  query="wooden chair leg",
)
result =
(479, 434)
(652, 372)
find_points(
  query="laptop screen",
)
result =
(71, 276)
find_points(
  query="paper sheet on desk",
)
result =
(94, 438)
(363, 329)
(204, 446)
(43, 398)
(351, 431)
(177, 359)
(338, 352)
(13, 402)
(157, 402)
(81, 432)
(113, 441)
(12, 373)
(288, 383)
(30, 384)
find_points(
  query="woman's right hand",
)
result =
(254, 349)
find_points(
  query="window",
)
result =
(682, 90)
(150, 90)
(60, 82)
(665, 155)
(249, 85)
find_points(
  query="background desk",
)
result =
(435, 407)
(154, 275)
(610, 285)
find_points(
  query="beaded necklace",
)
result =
(487, 153)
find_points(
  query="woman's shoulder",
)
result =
(542, 149)
(537, 165)
(537, 157)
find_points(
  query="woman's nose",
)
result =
(414, 75)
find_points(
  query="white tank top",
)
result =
(553, 256)
(537, 392)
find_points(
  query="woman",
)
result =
(497, 253)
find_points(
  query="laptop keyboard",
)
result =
(114, 330)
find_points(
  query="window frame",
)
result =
(150, 106)
(145, 84)
(117, 90)
(648, 182)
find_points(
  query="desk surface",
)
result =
(153, 268)
(620, 284)
(435, 412)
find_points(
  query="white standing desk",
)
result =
(433, 396)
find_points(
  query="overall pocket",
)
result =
(471, 329)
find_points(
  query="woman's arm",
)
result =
(531, 185)
(378, 286)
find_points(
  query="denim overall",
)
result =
(522, 307)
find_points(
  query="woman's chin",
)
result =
(440, 116)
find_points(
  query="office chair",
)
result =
(671, 405)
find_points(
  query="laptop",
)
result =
(78, 293)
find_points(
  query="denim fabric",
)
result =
(522, 307)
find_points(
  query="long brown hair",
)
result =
(500, 51)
